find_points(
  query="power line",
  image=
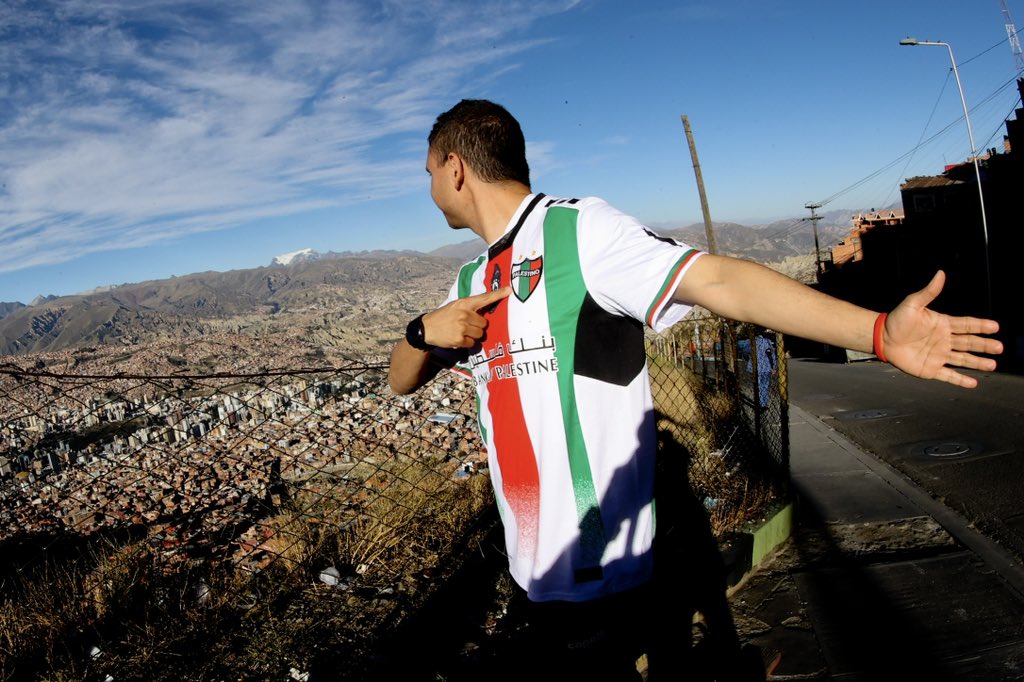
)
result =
(913, 151)
(918, 146)
(1002, 126)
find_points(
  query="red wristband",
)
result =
(877, 338)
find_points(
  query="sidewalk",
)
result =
(878, 581)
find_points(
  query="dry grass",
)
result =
(701, 423)
(39, 623)
(217, 622)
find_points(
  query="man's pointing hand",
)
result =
(461, 323)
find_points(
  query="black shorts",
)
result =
(602, 639)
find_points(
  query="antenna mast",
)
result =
(1011, 34)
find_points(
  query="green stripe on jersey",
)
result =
(663, 291)
(465, 281)
(565, 293)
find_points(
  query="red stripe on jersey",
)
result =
(520, 479)
(667, 290)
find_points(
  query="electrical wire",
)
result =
(1002, 126)
(927, 125)
(918, 146)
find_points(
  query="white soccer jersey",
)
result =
(565, 406)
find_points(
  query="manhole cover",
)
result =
(1016, 524)
(867, 414)
(945, 450)
(948, 450)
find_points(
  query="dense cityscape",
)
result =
(197, 460)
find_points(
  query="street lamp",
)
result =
(974, 157)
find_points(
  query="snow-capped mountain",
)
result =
(300, 256)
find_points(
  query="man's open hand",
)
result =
(927, 344)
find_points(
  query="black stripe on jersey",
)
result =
(609, 348)
(510, 236)
(667, 240)
(556, 202)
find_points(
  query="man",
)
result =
(548, 323)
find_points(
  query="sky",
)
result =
(143, 139)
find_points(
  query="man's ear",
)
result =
(457, 168)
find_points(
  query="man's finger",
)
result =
(951, 376)
(483, 300)
(930, 292)
(973, 325)
(976, 344)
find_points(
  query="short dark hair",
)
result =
(486, 136)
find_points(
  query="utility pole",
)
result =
(709, 230)
(817, 250)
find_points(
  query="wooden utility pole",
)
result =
(817, 249)
(708, 229)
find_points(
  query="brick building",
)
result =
(891, 253)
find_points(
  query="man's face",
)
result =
(442, 188)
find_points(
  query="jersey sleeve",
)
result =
(630, 270)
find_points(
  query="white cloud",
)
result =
(135, 121)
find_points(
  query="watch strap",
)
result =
(415, 335)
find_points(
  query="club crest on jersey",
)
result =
(526, 276)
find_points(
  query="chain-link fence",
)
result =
(283, 520)
(721, 402)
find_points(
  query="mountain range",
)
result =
(362, 296)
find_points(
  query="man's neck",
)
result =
(494, 205)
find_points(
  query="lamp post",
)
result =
(974, 157)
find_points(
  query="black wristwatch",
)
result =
(415, 335)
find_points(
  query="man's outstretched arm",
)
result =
(917, 340)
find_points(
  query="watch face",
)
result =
(415, 335)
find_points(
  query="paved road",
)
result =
(963, 447)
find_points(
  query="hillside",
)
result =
(8, 308)
(358, 299)
(768, 243)
(351, 299)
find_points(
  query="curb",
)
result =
(745, 551)
(772, 534)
